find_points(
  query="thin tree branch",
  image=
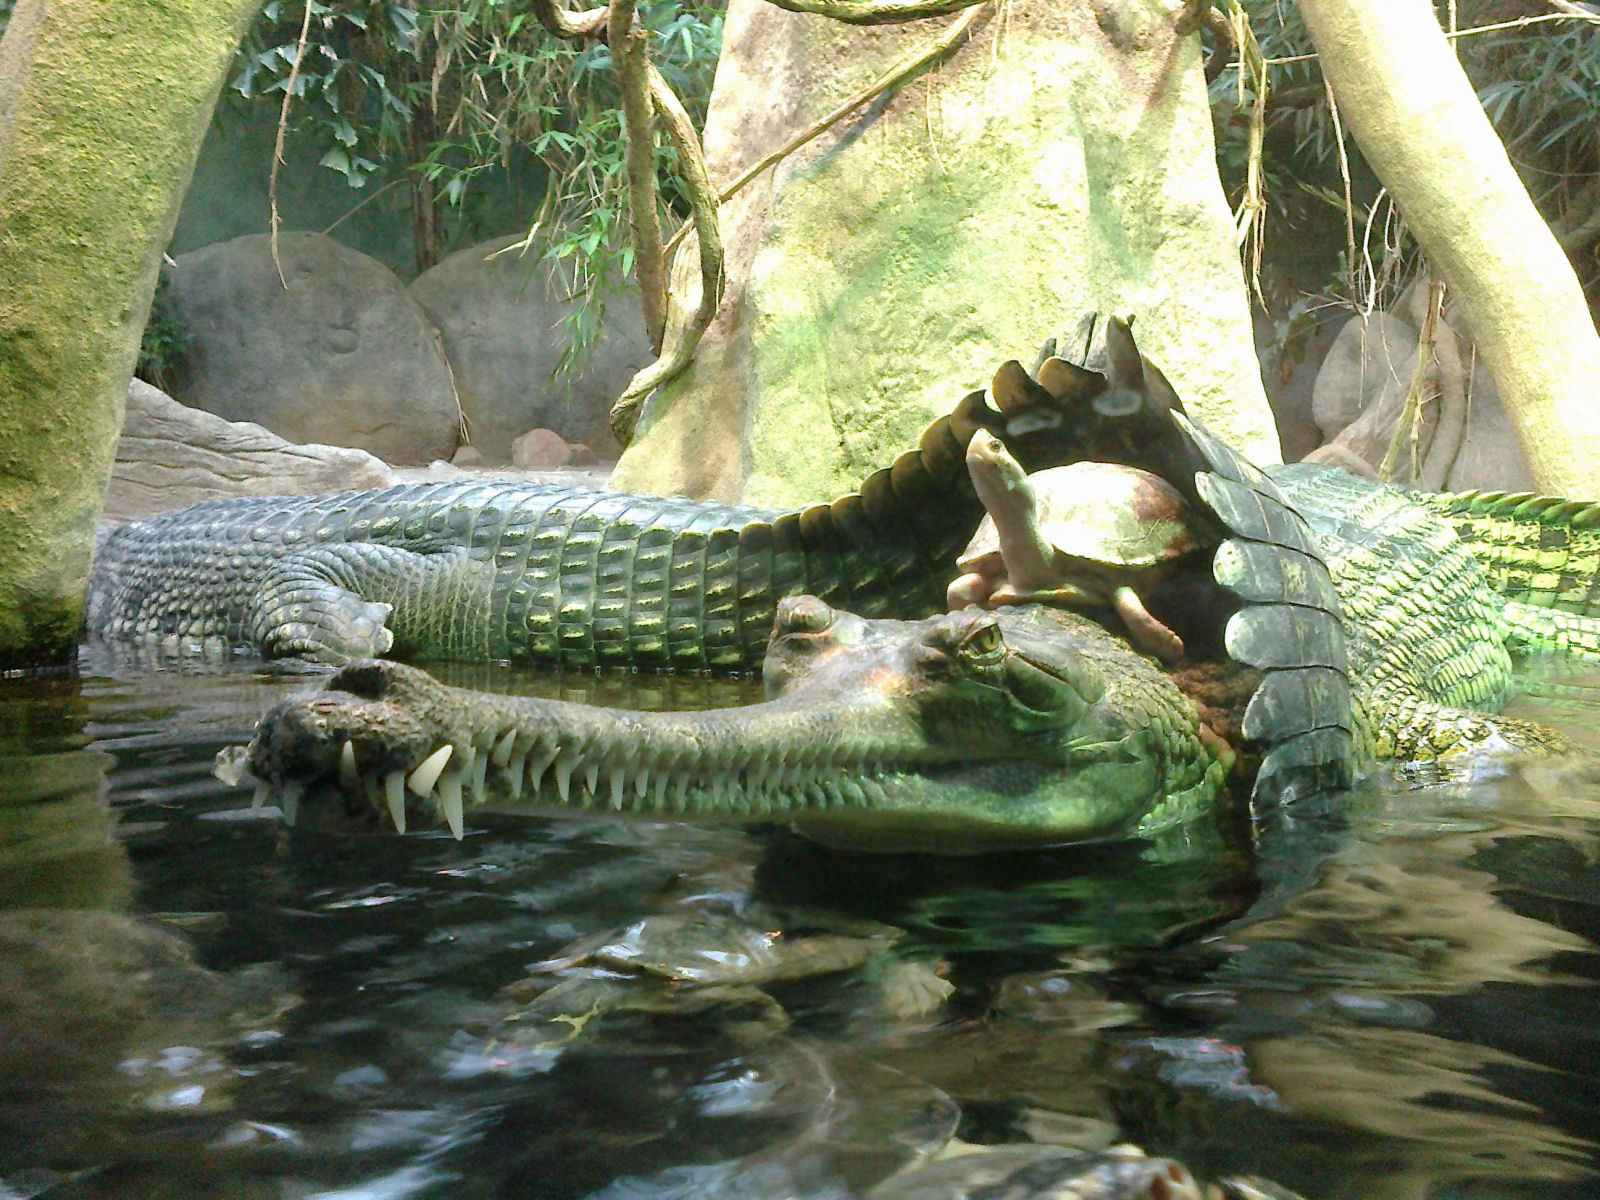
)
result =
(875, 12)
(563, 23)
(1573, 10)
(630, 52)
(277, 144)
(681, 338)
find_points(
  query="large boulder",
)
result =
(171, 455)
(1461, 437)
(1060, 162)
(334, 352)
(503, 320)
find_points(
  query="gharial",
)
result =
(1367, 628)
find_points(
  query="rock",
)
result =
(503, 324)
(582, 456)
(1368, 357)
(467, 456)
(1058, 163)
(341, 356)
(541, 449)
(1464, 440)
(171, 455)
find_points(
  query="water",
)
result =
(1393, 996)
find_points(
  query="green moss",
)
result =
(985, 208)
(101, 117)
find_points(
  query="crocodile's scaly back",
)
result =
(505, 570)
(1537, 550)
(1421, 623)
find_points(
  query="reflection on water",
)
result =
(1391, 996)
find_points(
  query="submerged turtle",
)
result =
(696, 958)
(1029, 1171)
(1091, 534)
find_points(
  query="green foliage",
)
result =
(165, 340)
(1539, 82)
(450, 91)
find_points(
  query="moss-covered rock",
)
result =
(1060, 162)
(102, 110)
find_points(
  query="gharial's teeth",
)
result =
(641, 781)
(262, 792)
(429, 769)
(564, 767)
(289, 802)
(592, 775)
(450, 805)
(537, 767)
(347, 766)
(480, 771)
(515, 766)
(619, 780)
(502, 748)
(394, 791)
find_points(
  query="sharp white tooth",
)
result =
(502, 748)
(641, 781)
(450, 804)
(680, 790)
(663, 777)
(289, 802)
(347, 766)
(465, 755)
(619, 780)
(262, 792)
(538, 765)
(429, 769)
(515, 769)
(592, 776)
(394, 791)
(564, 765)
(480, 772)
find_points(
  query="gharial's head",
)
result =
(1017, 723)
(962, 732)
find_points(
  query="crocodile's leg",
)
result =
(1534, 630)
(1401, 726)
(342, 601)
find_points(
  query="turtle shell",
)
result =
(1288, 619)
(1104, 512)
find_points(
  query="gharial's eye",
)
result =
(984, 645)
(804, 614)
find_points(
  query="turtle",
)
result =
(1032, 1171)
(694, 958)
(1090, 534)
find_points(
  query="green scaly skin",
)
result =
(483, 571)
(1541, 553)
(963, 732)
(1428, 637)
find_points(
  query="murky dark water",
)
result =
(1391, 998)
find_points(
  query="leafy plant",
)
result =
(165, 340)
(447, 91)
(1539, 82)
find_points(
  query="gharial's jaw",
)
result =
(936, 735)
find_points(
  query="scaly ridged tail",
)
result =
(1542, 551)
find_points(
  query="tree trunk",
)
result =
(1058, 162)
(1421, 127)
(102, 110)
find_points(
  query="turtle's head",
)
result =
(997, 476)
